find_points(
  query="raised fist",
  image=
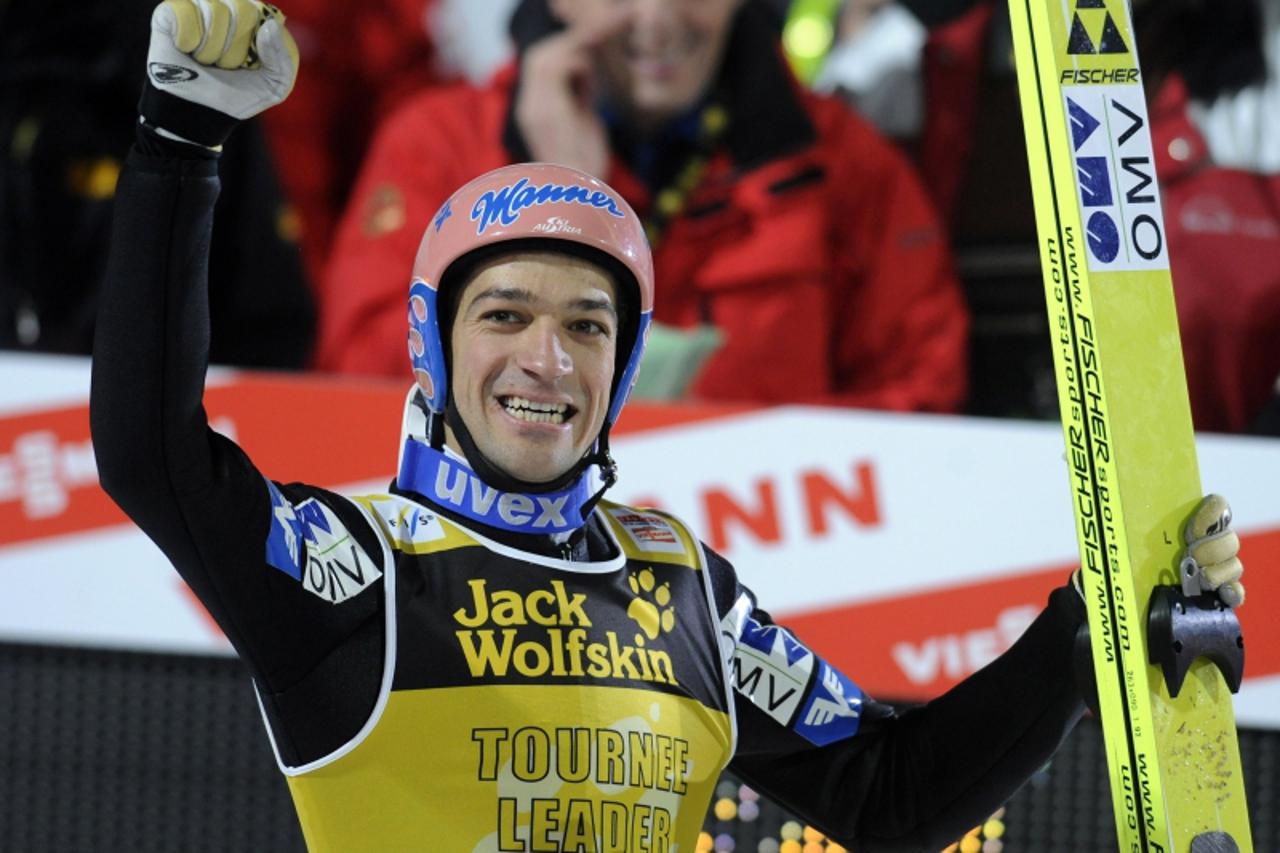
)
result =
(231, 56)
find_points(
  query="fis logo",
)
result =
(409, 524)
(1115, 178)
(1093, 16)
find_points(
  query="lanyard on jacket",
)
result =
(671, 200)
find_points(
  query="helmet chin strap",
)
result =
(492, 475)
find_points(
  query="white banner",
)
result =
(909, 549)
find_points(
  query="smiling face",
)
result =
(667, 56)
(533, 343)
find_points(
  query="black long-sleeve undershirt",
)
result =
(918, 778)
(193, 491)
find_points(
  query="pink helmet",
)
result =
(537, 204)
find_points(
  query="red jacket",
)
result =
(1223, 228)
(809, 243)
(354, 70)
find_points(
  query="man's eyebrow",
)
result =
(527, 297)
(605, 305)
(505, 294)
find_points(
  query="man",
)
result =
(490, 656)
(778, 217)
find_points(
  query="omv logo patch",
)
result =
(308, 542)
(1115, 178)
(771, 668)
(1103, 237)
(1094, 176)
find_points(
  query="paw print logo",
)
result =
(651, 608)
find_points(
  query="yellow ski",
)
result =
(1174, 760)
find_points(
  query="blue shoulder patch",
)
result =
(833, 709)
(798, 689)
(284, 538)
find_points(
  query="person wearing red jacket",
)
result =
(1221, 198)
(1223, 228)
(777, 216)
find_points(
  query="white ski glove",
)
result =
(1210, 560)
(212, 63)
(1212, 548)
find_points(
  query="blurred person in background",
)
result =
(1213, 83)
(529, 667)
(780, 220)
(1212, 78)
(912, 68)
(66, 95)
(472, 36)
(361, 67)
(875, 64)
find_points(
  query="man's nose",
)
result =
(542, 353)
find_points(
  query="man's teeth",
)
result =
(538, 413)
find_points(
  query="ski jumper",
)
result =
(429, 685)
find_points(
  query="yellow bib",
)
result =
(532, 704)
